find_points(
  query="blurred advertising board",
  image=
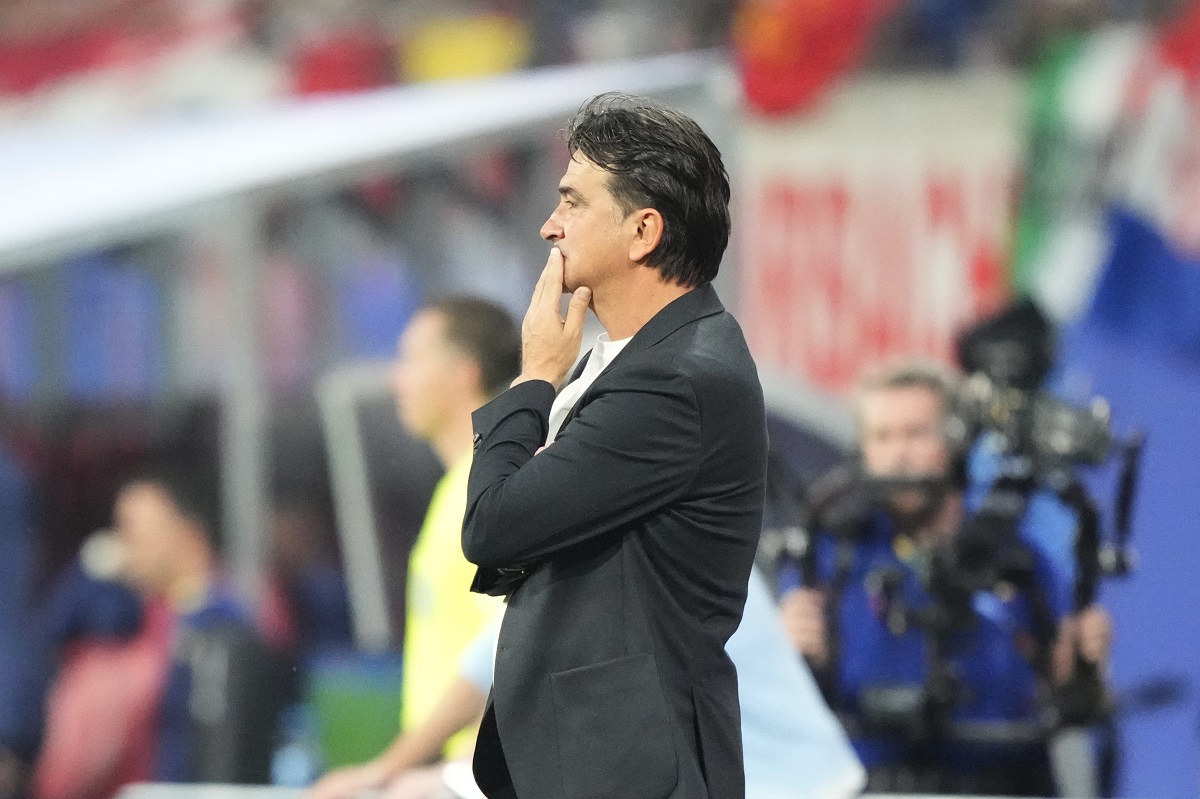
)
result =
(879, 223)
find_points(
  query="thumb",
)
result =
(576, 311)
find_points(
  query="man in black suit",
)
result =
(620, 515)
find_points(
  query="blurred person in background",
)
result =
(875, 577)
(104, 656)
(169, 681)
(454, 356)
(224, 686)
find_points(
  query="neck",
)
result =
(456, 437)
(624, 307)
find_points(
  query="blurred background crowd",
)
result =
(217, 218)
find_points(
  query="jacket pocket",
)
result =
(614, 732)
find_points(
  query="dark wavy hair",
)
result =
(659, 158)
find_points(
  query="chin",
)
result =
(571, 279)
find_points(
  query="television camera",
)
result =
(1037, 441)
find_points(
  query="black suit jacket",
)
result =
(624, 548)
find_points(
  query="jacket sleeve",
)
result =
(633, 449)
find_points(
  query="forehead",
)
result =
(891, 404)
(582, 174)
(143, 496)
(427, 328)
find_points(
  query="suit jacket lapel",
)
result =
(575, 375)
(578, 370)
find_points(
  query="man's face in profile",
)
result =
(149, 528)
(427, 371)
(588, 227)
(903, 436)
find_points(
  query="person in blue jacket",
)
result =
(860, 627)
(225, 685)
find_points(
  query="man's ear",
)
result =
(647, 233)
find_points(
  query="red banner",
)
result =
(861, 242)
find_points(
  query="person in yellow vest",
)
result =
(454, 356)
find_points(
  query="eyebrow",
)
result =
(569, 191)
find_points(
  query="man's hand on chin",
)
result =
(549, 343)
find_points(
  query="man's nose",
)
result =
(891, 460)
(903, 460)
(551, 230)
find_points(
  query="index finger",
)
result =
(539, 288)
(552, 290)
(557, 267)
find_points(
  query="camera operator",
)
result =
(909, 653)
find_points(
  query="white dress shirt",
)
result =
(602, 355)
